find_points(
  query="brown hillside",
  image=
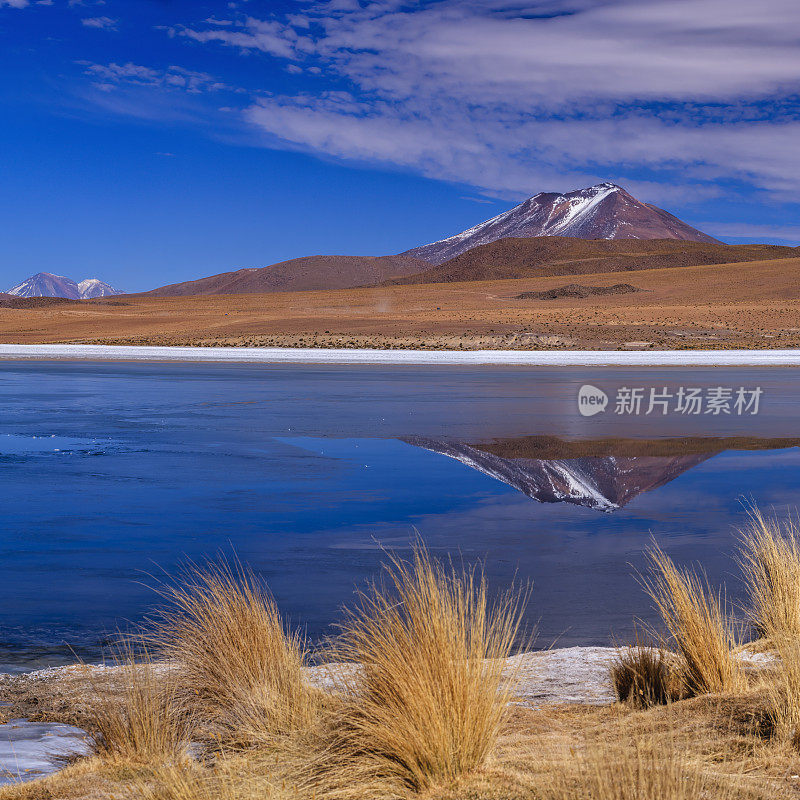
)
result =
(545, 256)
(12, 301)
(299, 274)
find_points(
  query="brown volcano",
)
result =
(605, 211)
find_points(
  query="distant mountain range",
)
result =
(605, 211)
(46, 284)
(602, 228)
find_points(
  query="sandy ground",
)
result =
(751, 305)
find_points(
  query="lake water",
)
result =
(112, 472)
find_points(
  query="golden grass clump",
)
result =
(769, 558)
(241, 670)
(429, 697)
(784, 692)
(770, 561)
(141, 723)
(695, 617)
(645, 676)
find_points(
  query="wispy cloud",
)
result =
(108, 77)
(510, 97)
(268, 36)
(14, 3)
(105, 23)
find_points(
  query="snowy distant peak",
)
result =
(603, 211)
(94, 287)
(46, 284)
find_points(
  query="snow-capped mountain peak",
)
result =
(94, 287)
(603, 211)
(46, 284)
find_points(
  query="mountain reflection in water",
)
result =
(604, 474)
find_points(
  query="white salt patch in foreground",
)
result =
(31, 749)
(567, 675)
(288, 355)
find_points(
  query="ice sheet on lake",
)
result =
(31, 749)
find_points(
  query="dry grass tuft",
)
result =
(429, 698)
(241, 670)
(770, 562)
(784, 692)
(142, 724)
(646, 676)
(696, 619)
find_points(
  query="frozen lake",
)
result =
(114, 471)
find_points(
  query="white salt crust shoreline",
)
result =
(562, 675)
(287, 355)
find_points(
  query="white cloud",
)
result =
(111, 76)
(14, 3)
(512, 156)
(268, 36)
(105, 23)
(513, 97)
(482, 48)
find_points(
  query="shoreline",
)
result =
(571, 675)
(562, 675)
(345, 356)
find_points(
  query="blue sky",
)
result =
(152, 141)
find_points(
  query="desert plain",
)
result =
(753, 304)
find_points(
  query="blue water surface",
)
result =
(115, 474)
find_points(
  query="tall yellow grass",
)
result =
(142, 723)
(696, 618)
(430, 695)
(770, 563)
(769, 558)
(241, 670)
